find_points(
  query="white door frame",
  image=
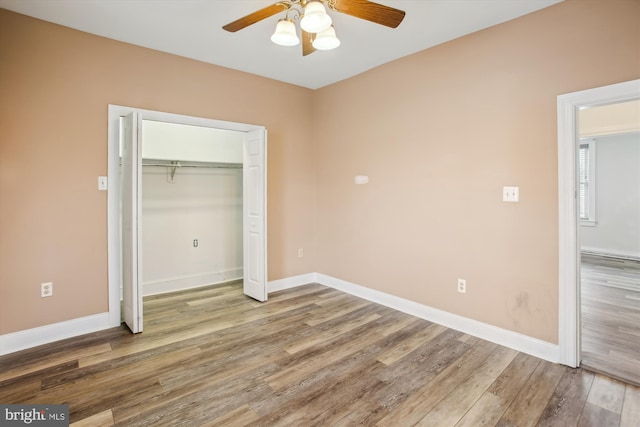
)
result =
(113, 197)
(568, 263)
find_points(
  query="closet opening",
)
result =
(187, 207)
(191, 214)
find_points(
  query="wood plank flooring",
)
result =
(610, 300)
(310, 356)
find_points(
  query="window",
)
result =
(586, 181)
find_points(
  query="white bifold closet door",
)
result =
(255, 214)
(131, 230)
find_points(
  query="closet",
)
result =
(192, 206)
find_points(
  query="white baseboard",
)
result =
(291, 282)
(21, 340)
(611, 252)
(504, 337)
(174, 284)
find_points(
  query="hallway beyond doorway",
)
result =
(610, 290)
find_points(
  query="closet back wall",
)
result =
(202, 204)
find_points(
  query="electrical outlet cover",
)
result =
(46, 289)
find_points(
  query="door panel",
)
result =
(255, 215)
(131, 232)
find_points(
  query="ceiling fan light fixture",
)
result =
(285, 34)
(315, 19)
(317, 32)
(326, 40)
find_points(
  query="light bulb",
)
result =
(326, 40)
(315, 18)
(285, 34)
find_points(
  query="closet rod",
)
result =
(209, 166)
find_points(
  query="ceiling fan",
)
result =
(316, 29)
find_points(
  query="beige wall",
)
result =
(55, 85)
(439, 133)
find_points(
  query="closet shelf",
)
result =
(175, 164)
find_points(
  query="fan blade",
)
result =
(254, 17)
(370, 11)
(307, 46)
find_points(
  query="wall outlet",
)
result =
(462, 286)
(46, 289)
(195, 243)
(300, 253)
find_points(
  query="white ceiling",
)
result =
(193, 29)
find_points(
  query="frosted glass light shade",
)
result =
(326, 40)
(315, 18)
(285, 34)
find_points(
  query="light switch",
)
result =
(102, 183)
(361, 179)
(510, 194)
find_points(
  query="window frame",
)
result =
(590, 181)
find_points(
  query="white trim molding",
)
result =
(21, 340)
(291, 282)
(610, 253)
(192, 281)
(568, 239)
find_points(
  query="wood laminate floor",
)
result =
(610, 299)
(310, 356)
